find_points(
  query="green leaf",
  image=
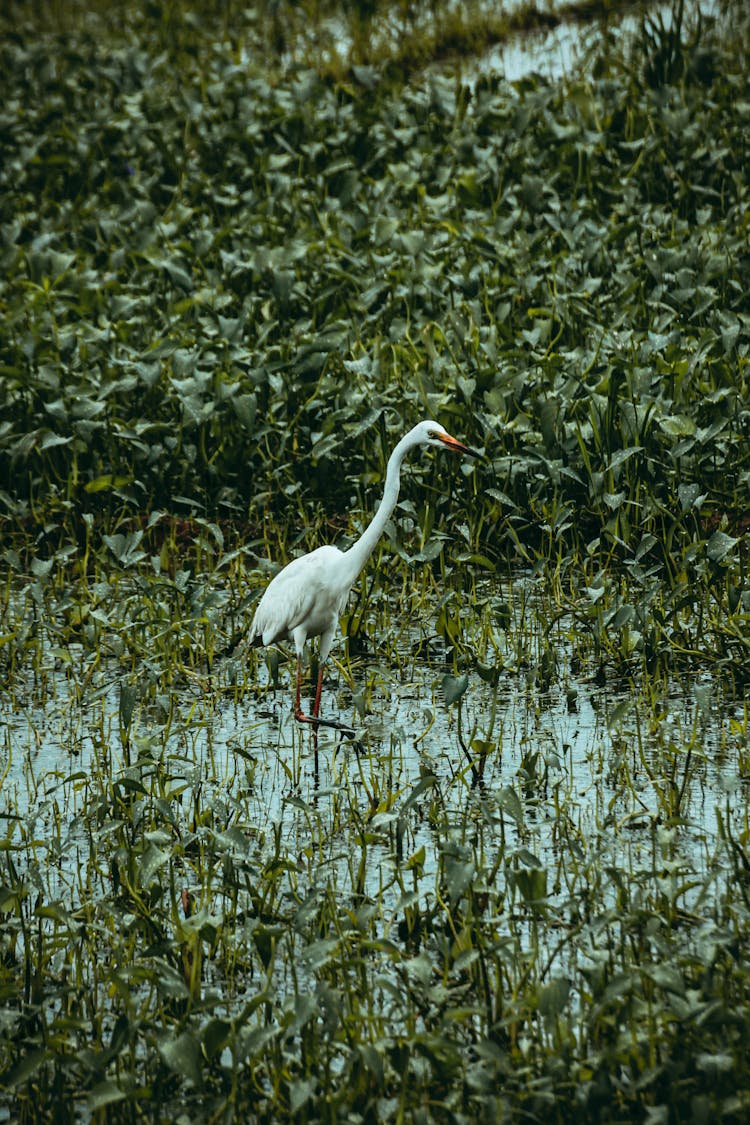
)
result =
(183, 1056)
(430, 550)
(245, 407)
(719, 546)
(104, 1093)
(454, 688)
(458, 875)
(510, 802)
(41, 568)
(179, 276)
(51, 440)
(319, 953)
(105, 482)
(621, 456)
(300, 1092)
(690, 496)
(215, 1036)
(532, 883)
(305, 1009)
(677, 425)
(128, 699)
(152, 860)
(26, 1066)
(125, 548)
(553, 996)
(420, 967)
(373, 1060)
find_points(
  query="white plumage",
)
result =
(307, 597)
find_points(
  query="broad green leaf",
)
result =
(719, 546)
(454, 688)
(125, 547)
(104, 1093)
(510, 802)
(41, 568)
(183, 1056)
(152, 861)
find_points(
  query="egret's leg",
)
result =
(299, 714)
(318, 690)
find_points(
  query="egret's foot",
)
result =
(330, 724)
(334, 724)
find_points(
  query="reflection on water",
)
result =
(550, 52)
(613, 776)
(555, 52)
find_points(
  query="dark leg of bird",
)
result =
(318, 691)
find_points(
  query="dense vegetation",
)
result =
(229, 281)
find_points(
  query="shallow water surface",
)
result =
(579, 777)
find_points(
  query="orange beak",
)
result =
(457, 446)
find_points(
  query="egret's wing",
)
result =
(303, 593)
(286, 600)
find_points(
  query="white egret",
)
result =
(306, 597)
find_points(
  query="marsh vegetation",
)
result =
(230, 280)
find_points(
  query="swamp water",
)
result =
(559, 50)
(592, 796)
(556, 48)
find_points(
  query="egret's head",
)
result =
(432, 433)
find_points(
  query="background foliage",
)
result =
(210, 291)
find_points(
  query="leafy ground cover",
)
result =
(212, 295)
(229, 281)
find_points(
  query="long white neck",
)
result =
(357, 555)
